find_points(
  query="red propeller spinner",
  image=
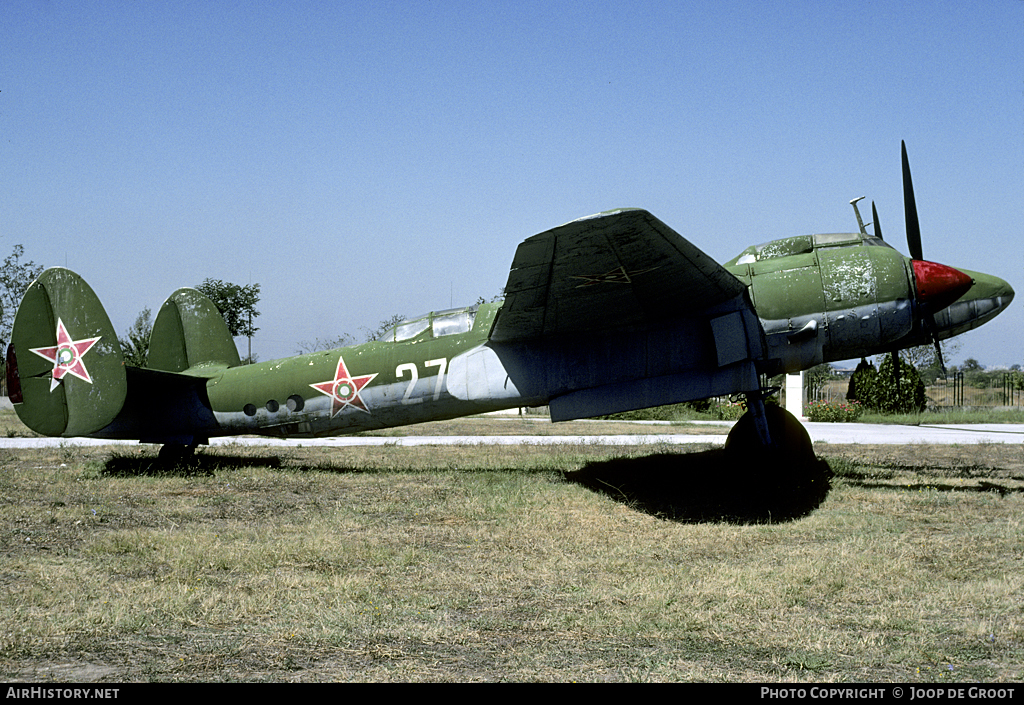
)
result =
(939, 285)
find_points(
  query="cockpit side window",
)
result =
(877, 242)
(439, 324)
(410, 329)
(837, 240)
(452, 323)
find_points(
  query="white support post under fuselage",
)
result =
(796, 394)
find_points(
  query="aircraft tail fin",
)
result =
(65, 369)
(190, 334)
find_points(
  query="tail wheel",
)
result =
(173, 454)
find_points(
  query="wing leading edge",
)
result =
(607, 271)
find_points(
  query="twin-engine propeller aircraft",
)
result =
(607, 313)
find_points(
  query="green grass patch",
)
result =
(481, 564)
(681, 413)
(951, 416)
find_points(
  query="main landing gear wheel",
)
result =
(790, 440)
(780, 481)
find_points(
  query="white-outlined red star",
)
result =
(344, 389)
(66, 356)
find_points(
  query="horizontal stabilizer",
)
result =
(65, 363)
(190, 332)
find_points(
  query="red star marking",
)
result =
(66, 356)
(344, 389)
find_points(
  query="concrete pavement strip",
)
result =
(844, 433)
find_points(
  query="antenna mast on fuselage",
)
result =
(863, 229)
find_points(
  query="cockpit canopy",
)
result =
(439, 323)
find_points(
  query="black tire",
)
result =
(781, 482)
(172, 454)
(790, 438)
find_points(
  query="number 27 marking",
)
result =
(410, 367)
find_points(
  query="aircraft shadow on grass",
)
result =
(983, 486)
(693, 487)
(118, 465)
(709, 486)
(690, 488)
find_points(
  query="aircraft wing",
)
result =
(605, 271)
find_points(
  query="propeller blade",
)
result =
(895, 357)
(910, 209)
(878, 225)
(933, 331)
(938, 355)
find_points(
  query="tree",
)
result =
(970, 365)
(383, 327)
(15, 276)
(927, 363)
(135, 343)
(236, 303)
(306, 347)
(816, 378)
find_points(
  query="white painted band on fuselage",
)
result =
(479, 374)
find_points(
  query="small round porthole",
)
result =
(249, 409)
(295, 403)
(273, 406)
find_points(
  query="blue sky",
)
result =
(365, 159)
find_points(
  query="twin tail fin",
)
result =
(65, 368)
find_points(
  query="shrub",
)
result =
(729, 412)
(880, 391)
(907, 397)
(834, 411)
(862, 383)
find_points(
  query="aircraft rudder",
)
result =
(188, 332)
(64, 362)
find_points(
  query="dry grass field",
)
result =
(476, 563)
